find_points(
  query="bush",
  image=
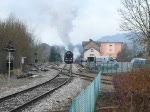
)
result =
(134, 90)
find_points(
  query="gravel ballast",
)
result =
(58, 99)
(24, 83)
(55, 101)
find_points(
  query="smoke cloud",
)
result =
(62, 13)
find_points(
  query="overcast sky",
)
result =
(63, 21)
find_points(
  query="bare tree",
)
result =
(136, 19)
(14, 30)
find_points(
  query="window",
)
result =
(92, 50)
(110, 45)
(110, 49)
(91, 54)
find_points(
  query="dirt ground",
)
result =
(107, 100)
(107, 97)
(106, 85)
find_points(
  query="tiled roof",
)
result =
(87, 45)
(112, 42)
(98, 42)
(85, 42)
(88, 49)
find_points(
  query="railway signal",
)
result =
(10, 48)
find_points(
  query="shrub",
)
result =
(133, 89)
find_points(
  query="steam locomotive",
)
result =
(68, 57)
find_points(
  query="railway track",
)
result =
(106, 81)
(18, 101)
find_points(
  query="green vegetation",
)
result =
(55, 55)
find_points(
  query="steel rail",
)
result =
(17, 109)
(109, 83)
(55, 68)
(79, 74)
(29, 89)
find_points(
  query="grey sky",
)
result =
(62, 21)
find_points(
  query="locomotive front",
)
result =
(68, 57)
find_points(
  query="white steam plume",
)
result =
(62, 13)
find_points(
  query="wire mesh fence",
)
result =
(85, 102)
(120, 67)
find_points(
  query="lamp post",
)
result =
(10, 48)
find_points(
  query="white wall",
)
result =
(88, 53)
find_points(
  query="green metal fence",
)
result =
(85, 102)
(122, 67)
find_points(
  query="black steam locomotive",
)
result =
(68, 57)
